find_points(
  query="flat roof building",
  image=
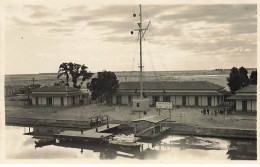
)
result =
(180, 93)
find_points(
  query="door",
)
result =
(36, 101)
(196, 100)
(129, 99)
(244, 105)
(184, 100)
(155, 99)
(73, 100)
(49, 101)
(62, 101)
(209, 100)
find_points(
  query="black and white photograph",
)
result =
(128, 81)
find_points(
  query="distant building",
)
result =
(56, 96)
(245, 98)
(186, 93)
(9, 90)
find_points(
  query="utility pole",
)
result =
(141, 35)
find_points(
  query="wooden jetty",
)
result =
(150, 126)
(95, 134)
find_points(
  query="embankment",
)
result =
(176, 128)
(184, 129)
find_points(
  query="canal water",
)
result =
(168, 148)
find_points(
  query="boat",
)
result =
(44, 142)
(150, 127)
(128, 147)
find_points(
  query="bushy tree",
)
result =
(243, 77)
(75, 71)
(104, 86)
(253, 77)
(234, 81)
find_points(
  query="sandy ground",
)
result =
(191, 116)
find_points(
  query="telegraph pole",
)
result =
(141, 35)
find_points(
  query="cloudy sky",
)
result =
(40, 36)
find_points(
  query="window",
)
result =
(155, 99)
(166, 98)
(137, 105)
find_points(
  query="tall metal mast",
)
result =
(141, 35)
(141, 63)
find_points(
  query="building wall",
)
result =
(124, 99)
(254, 105)
(239, 105)
(251, 105)
(191, 101)
(176, 100)
(204, 101)
(56, 101)
(113, 99)
(77, 99)
(65, 101)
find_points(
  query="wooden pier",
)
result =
(95, 134)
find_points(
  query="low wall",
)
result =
(46, 122)
(14, 103)
(184, 129)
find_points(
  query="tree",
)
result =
(104, 86)
(243, 77)
(233, 80)
(75, 71)
(253, 77)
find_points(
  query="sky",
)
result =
(39, 36)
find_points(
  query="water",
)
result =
(171, 147)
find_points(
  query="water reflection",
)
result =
(27, 145)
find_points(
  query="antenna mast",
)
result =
(141, 35)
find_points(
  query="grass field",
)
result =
(217, 77)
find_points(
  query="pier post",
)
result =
(29, 130)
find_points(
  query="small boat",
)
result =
(44, 142)
(130, 147)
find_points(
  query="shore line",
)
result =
(176, 128)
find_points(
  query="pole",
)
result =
(141, 64)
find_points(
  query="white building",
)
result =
(245, 99)
(186, 93)
(56, 96)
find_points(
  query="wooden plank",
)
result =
(87, 134)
